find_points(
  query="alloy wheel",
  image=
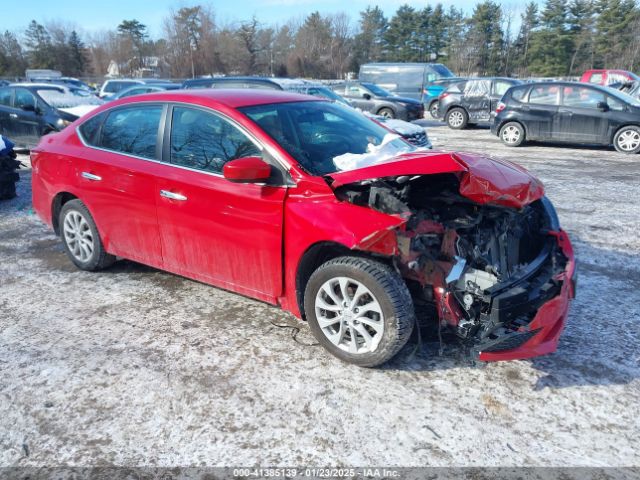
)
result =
(349, 315)
(78, 236)
(456, 118)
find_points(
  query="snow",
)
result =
(134, 366)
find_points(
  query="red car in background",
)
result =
(301, 203)
(607, 77)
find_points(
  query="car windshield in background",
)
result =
(326, 138)
(66, 99)
(326, 93)
(442, 71)
(378, 91)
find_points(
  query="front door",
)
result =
(223, 233)
(27, 117)
(580, 119)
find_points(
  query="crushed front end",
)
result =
(496, 273)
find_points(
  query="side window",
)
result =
(595, 78)
(5, 96)
(356, 91)
(24, 98)
(132, 130)
(90, 130)
(615, 104)
(544, 94)
(582, 97)
(500, 87)
(206, 141)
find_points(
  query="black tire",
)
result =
(433, 110)
(512, 134)
(627, 140)
(457, 118)
(389, 291)
(387, 113)
(98, 259)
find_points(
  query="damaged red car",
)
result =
(304, 204)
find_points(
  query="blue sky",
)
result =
(92, 15)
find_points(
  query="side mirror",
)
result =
(602, 106)
(247, 170)
(366, 96)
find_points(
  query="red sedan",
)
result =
(305, 204)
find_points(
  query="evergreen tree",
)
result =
(400, 37)
(38, 43)
(551, 45)
(77, 54)
(529, 22)
(487, 38)
(369, 41)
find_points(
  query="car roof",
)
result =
(42, 85)
(232, 98)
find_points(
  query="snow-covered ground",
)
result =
(134, 366)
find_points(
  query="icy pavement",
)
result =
(133, 366)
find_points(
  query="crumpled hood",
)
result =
(483, 180)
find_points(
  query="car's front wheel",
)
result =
(81, 239)
(359, 309)
(512, 134)
(457, 118)
(627, 140)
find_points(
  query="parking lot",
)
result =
(133, 366)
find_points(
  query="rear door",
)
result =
(542, 111)
(579, 119)
(220, 232)
(476, 99)
(115, 177)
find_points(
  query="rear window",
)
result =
(132, 130)
(544, 94)
(90, 130)
(595, 78)
(518, 94)
(114, 87)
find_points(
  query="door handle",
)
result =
(13, 115)
(172, 196)
(91, 176)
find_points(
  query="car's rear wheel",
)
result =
(627, 140)
(433, 109)
(359, 309)
(457, 118)
(81, 239)
(512, 134)
(386, 113)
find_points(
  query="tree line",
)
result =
(558, 38)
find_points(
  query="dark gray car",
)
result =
(377, 100)
(472, 100)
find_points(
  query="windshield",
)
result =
(377, 91)
(325, 137)
(442, 71)
(59, 98)
(625, 97)
(326, 93)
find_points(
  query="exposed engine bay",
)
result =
(480, 271)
